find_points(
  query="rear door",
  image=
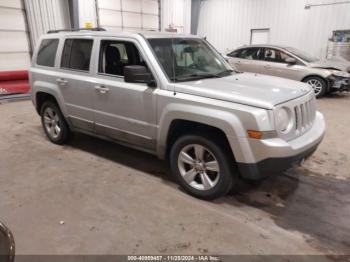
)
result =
(246, 59)
(74, 80)
(275, 64)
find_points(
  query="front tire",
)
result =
(202, 167)
(53, 122)
(318, 84)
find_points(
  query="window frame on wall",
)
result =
(259, 30)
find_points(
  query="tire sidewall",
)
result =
(64, 127)
(227, 175)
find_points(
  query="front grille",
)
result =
(304, 115)
(303, 110)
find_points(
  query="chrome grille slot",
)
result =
(297, 117)
(304, 115)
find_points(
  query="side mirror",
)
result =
(291, 60)
(138, 74)
(7, 244)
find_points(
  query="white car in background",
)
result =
(324, 76)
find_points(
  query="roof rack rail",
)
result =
(76, 30)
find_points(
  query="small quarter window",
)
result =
(77, 54)
(47, 52)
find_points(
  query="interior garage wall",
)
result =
(45, 15)
(87, 13)
(133, 15)
(130, 15)
(177, 15)
(228, 23)
(14, 44)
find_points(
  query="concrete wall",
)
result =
(228, 23)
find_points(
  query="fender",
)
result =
(225, 121)
(51, 89)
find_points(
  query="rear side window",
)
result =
(47, 52)
(251, 53)
(77, 54)
(235, 53)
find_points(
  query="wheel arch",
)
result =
(180, 127)
(41, 97)
(190, 117)
(42, 93)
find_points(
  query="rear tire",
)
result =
(202, 167)
(318, 84)
(54, 123)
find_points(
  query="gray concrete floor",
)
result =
(115, 200)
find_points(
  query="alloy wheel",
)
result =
(52, 122)
(316, 85)
(198, 167)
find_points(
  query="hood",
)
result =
(335, 63)
(246, 88)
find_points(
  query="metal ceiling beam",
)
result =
(195, 11)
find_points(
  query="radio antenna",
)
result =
(173, 62)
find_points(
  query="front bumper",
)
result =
(275, 155)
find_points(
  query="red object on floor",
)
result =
(14, 82)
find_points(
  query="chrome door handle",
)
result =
(61, 81)
(102, 89)
(267, 66)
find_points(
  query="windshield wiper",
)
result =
(225, 72)
(201, 76)
(204, 75)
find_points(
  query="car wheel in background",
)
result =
(318, 84)
(54, 124)
(202, 167)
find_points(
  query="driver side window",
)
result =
(115, 55)
(275, 55)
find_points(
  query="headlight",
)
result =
(284, 119)
(339, 74)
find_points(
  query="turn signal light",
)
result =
(255, 134)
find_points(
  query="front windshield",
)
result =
(303, 55)
(186, 59)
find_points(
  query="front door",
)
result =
(123, 111)
(275, 64)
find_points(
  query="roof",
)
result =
(266, 45)
(146, 34)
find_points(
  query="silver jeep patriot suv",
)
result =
(176, 97)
